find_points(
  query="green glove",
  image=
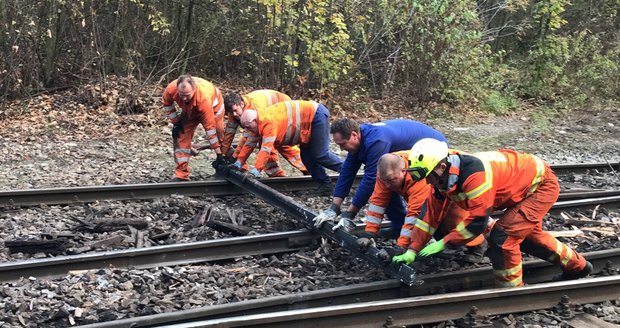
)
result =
(433, 248)
(408, 257)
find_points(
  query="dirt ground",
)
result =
(79, 137)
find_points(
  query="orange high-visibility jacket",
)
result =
(490, 181)
(206, 105)
(288, 123)
(414, 193)
(253, 100)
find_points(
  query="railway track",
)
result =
(206, 251)
(52, 196)
(369, 305)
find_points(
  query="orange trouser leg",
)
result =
(183, 148)
(272, 167)
(520, 229)
(292, 155)
(452, 217)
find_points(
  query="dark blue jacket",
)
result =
(378, 139)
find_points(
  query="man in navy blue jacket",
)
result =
(365, 144)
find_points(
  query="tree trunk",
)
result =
(52, 15)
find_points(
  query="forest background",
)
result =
(491, 55)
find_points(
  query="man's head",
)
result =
(186, 87)
(427, 160)
(234, 104)
(391, 170)
(347, 134)
(249, 120)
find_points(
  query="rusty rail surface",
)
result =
(234, 314)
(215, 187)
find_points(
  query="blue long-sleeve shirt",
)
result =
(378, 139)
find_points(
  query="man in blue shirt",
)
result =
(365, 144)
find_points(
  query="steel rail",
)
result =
(215, 187)
(155, 256)
(187, 253)
(72, 195)
(535, 271)
(429, 309)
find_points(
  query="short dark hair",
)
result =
(187, 78)
(231, 99)
(345, 126)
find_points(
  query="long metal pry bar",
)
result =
(304, 216)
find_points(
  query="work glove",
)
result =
(346, 222)
(364, 243)
(219, 160)
(254, 172)
(386, 254)
(177, 128)
(408, 257)
(235, 166)
(327, 215)
(433, 248)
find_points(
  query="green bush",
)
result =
(500, 103)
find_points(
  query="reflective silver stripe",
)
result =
(251, 138)
(372, 219)
(231, 130)
(289, 112)
(246, 134)
(182, 159)
(269, 139)
(173, 115)
(216, 101)
(266, 149)
(214, 140)
(297, 124)
(410, 220)
(211, 132)
(376, 209)
(251, 144)
(169, 108)
(297, 158)
(270, 98)
(183, 151)
(405, 233)
(219, 112)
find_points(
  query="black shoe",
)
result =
(574, 275)
(389, 233)
(325, 189)
(474, 254)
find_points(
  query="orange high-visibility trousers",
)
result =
(520, 229)
(183, 147)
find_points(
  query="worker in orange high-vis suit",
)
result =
(201, 103)
(522, 184)
(291, 123)
(235, 104)
(393, 177)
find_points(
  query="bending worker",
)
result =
(292, 123)
(201, 103)
(235, 104)
(522, 184)
(365, 144)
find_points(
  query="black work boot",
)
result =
(325, 189)
(389, 233)
(474, 254)
(574, 275)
